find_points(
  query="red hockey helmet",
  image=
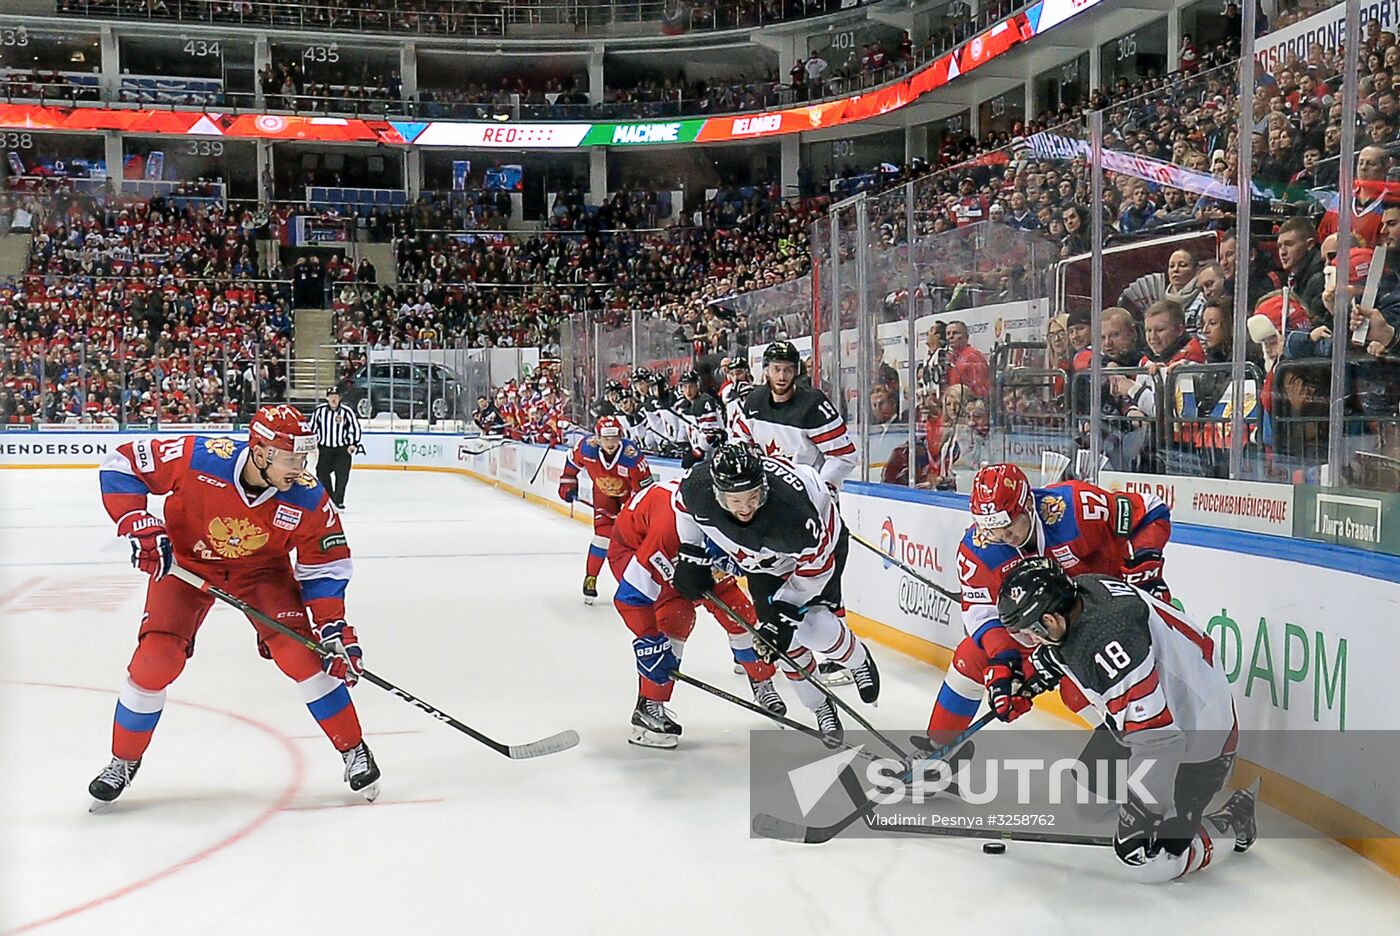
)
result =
(282, 427)
(609, 427)
(1000, 494)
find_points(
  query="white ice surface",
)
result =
(239, 821)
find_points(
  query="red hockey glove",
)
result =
(344, 659)
(1003, 681)
(151, 551)
(1144, 569)
(568, 490)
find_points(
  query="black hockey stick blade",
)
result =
(551, 745)
(783, 830)
(905, 567)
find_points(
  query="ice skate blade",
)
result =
(371, 792)
(100, 806)
(588, 600)
(641, 737)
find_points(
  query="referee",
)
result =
(337, 433)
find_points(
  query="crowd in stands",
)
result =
(48, 87)
(286, 86)
(133, 310)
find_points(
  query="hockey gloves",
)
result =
(694, 572)
(1135, 840)
(343, 659)
(1003, 681)
(777, 625)
(151, 551)
(655, 661)
(1144, 569)
(568, 490)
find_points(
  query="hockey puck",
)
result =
(994, 848)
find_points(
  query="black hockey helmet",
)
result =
(690, 376)
(642, 375)
(737, 468)
(613, 386)
(782, 351)
(1033, 588)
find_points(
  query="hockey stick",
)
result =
(836, 700)
(784, 830)
(771, 716)
(543, 458)
(908, 570)
(551, 745)
(478, 445)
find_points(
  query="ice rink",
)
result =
(240, 823)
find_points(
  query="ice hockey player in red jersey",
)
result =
(1149, 671)
(1084, 528)
(643, 555)
(618, 470)
(235, 513)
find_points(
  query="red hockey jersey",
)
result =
(1080, 525)
(213, 525)
(626, 473)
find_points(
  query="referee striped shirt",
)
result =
(335, 428)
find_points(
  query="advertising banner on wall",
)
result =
(1298, 642)
(1256, 506)
(1344, 517)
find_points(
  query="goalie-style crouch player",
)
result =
(1149, 671)
(618, 469)
(236, 512)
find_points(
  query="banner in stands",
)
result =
(524, 136)
(1325, 28)
(1257, 506)
(1300, 640)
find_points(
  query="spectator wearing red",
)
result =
(1372, 164)
(967, 367)
(1168, 342)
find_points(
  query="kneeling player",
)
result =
(1085, 528)
(643, 559)
(1148, 670)
(618, 470)
(235, 512)
(779, 523)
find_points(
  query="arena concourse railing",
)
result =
(463, 18)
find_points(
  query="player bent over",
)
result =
(779, 523)
(643, 558)
(618, 470)
(1149, 671)
(1085, 528)
(235, 513)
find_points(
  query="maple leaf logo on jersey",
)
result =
(221, 447)
(1052, 509)
(774, 449)
(235, 538)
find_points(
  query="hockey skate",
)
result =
(1238, 814)
(653, 726)
(109, 784)
(590, 589)
(766, 695)
(361, 772)
(834, 674)
(924, 746)
(829, 724)
(867, 679)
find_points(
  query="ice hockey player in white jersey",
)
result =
(665, 432)
(1149, 671)
(779, 523)
(796, 423)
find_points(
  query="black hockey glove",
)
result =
(1048, 673)
(1135, 840)
(777, 624)
(694, 572)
